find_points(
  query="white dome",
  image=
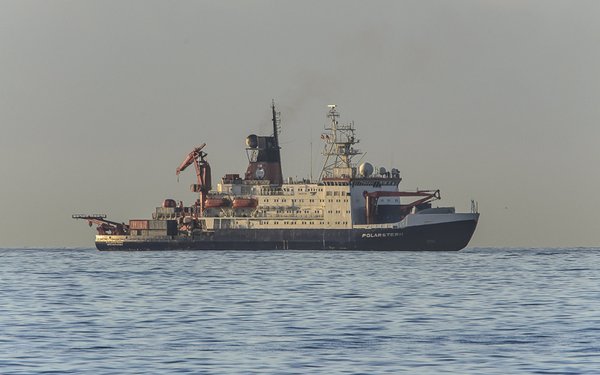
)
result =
(365, 169)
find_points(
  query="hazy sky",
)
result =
(492, 100)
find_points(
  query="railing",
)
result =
(87, 216)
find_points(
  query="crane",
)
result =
(371, 199)
(104, 226)
(197, 157)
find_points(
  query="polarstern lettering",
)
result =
(381, 235)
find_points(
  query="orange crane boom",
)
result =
(203, 176)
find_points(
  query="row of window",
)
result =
(295, 222)
(335, 183)
(337, 193)
(311, 201)
(308, 190)
(291, 211)
(276, 222)
(302, 200)
(283, 200)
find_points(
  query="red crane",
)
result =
(371, 199)
(104, 226)
(203, 186)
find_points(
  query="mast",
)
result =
(276, 122)
(339, 148)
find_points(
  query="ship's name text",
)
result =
(381, 235)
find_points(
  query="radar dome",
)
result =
(365, 169)
(382, 171)
(252, 141)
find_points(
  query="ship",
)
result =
(351, 206)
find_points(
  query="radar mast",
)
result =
(339, 147)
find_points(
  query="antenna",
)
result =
(276, 122)
(311, 160)
(339, 146)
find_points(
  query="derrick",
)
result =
(372, 198)
(104, 226)
(203, 176)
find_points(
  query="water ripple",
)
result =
(494, 311)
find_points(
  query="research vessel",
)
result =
(351, 206)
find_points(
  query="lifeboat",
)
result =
(245, 203)
(216, 202)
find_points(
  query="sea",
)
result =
(476, 311)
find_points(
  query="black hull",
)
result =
(451, 236)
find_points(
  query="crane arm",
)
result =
(191, 157)
(434, 194)
(104, 226)
(371, 200)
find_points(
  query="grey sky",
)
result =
(493, 100)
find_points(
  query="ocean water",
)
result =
(478, 311)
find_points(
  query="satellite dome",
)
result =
(382, 170)
(365, 169)
(252, 141)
